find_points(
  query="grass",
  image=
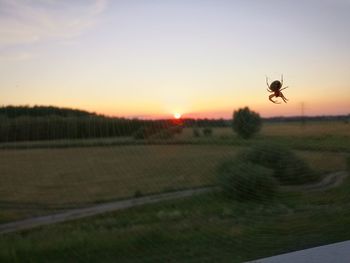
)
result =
(46, 177)
(39, 181)
(325, 162)
(207, 228)
(296, 129)
(315, 136)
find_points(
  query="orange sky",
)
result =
(153, 58)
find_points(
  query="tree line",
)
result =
(25, 123)
(41, 111)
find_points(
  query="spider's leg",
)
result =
(270, 90)
(270, 98)
(282, 79)
(283, 97)
(267, 82)
(284, 88)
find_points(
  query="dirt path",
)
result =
(97, 209)
(330, 181)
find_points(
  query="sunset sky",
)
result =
(152, 58)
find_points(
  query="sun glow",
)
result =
(177, 115)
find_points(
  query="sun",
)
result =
(177, 115)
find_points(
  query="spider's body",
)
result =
(275, 87)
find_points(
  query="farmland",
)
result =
(315, 136)
(79, 176)
(205, 228)
(41, 178)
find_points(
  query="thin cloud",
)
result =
(33, 21)
(15, 56)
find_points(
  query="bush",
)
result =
(207, 132)
(138, 194)
(246, 123)
(164, 134)
(288, 168)
(196, 132)
(247, 181)
(177, 129)
(144, 133)
(140, 134)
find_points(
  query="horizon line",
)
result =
(170, 116)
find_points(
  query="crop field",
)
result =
(331, 135)
(37, 181)
(316, 136)
(313, 129)
(40, 179)
(206, 228)
(43, 180)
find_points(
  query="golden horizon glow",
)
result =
(177, 115)
(99, 56)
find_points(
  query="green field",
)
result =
(315, 136)
(310, 129)
(205, 228)
(42, 177)
(39, 181)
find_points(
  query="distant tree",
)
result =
(196, 132)
(41, 111)
(207, 131)
(246, 122)
(143, 133)
(177, 129)
(164, 134)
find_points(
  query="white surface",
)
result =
(334, 253)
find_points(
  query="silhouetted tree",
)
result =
(246, 122)
(196, 132)
(207, 131)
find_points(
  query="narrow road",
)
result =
(330, 181)
(97, 209)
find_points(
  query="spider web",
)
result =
(47, 177)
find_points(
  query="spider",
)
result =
(275, 88)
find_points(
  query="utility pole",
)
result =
(302, 114)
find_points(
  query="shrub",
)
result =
(247, 181)
(246, 123)
(288, 168)
(138, 194)
(196, 132)
(144, 133)
(164, 134)
(207, 132)
(177, 129)
(141, 134)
